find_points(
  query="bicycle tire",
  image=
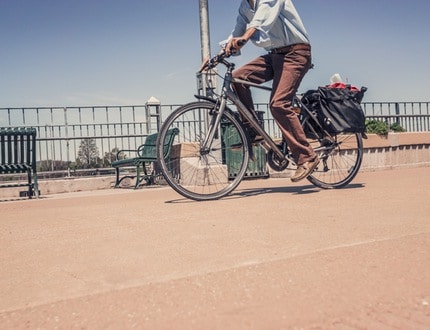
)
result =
(340, 160)
(198, 174)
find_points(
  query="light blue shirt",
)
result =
(277, 22)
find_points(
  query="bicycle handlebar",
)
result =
(211, 63)
(219, 58)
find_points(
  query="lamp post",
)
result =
(204, 28)
(205, 43)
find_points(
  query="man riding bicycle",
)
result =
(276, 26)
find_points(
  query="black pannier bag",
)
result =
(338, 109)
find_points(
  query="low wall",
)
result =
(59, 186)
(397, 150)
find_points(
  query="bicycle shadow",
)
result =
(252, 192)
(302, 190)
(296, 190)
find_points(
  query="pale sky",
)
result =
(122, 52)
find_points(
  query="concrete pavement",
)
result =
(273, 255)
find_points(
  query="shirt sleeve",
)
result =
(241, 25)
(266, 15)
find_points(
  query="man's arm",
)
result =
(235, 44)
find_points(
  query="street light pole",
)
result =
(204, 28)
(205, 43)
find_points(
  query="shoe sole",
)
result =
(313, 167)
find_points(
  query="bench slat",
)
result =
(14, 168)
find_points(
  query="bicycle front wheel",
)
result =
(341, 159)
(196, 165)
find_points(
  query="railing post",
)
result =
(66, 129)
(397, 107)
(155, 105)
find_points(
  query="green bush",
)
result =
(397, 128)
(380, 127)
(377, 127)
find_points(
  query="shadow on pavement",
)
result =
(301, 190)
(294, 190)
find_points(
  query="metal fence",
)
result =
(61, 130)
(412, 116)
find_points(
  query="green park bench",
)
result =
(18, 155)
(144, 157)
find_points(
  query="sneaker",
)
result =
(305, 170)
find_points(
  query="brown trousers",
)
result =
(287, 71)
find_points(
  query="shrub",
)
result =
(377, 127)
(397, 128)
(382, 128)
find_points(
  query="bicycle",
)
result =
(211, 152)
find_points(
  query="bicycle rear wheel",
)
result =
(340, 160)
(197, 173)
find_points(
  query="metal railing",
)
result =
(412, 116)
(60, 130)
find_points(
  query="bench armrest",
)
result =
(125, 150)
(147, 151)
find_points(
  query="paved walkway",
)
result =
(274, 255)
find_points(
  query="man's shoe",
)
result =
(305, 169)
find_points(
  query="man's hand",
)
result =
(204, 64)
(234, 45)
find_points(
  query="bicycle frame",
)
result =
(227, 93)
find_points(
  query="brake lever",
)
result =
(209, 63)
